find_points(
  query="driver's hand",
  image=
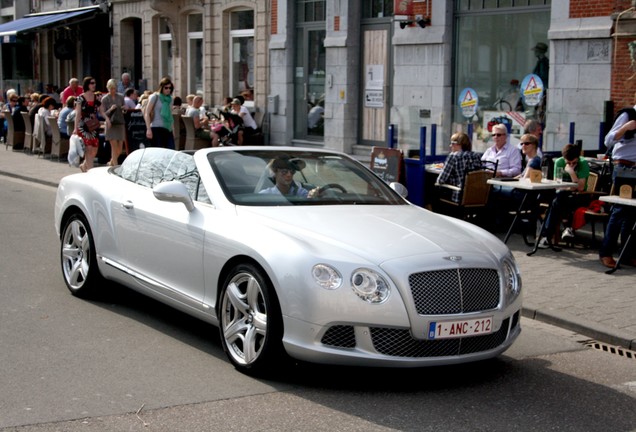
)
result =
(315, 192)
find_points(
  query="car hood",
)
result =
(377, 233)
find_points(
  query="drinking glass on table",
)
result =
(544, 172)
(558, 174)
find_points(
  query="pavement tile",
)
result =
(569, 288)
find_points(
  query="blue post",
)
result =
(571, 133)
(433, 138)
(392, 136)
(601, 137)
(422, 145)
(470, 131)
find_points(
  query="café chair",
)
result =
(14, 139)
(473, 195)
(28, 133)
(59, 145)
(192, 142)
(593, 217)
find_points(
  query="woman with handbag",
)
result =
(87, 123)
(158, 115)
(112, 107)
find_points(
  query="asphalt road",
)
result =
(123, 362)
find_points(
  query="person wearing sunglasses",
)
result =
(529, 147)
(86, 112)
(158, 116)
(508, 156)
(283, 169)
(460, 160)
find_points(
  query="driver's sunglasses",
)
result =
(285, 171)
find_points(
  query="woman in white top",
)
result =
(249, 124)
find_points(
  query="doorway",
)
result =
(375, 91)
(309, 82)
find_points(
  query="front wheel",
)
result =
(78, 258)
(250, 320)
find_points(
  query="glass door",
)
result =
(309, 83)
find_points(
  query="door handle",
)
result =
(128, 205)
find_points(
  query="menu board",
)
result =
(387, 163)
(135, 129)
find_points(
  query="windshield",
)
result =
(275, 177)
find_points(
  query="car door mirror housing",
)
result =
(173, 191)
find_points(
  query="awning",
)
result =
(35, 22)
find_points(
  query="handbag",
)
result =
(92, 124)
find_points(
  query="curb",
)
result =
(600, 332)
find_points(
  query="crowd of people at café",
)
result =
(526, 161)
(81, 103)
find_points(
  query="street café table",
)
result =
(615, 199)
(530, 192)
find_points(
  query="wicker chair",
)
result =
(191, 140)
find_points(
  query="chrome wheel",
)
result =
(79, 266)
(249, 319)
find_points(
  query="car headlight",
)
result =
(326, 276)
(512, 280)
(369, 286)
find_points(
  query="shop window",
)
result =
(377, 8)
(310, 10)
(195, 53)
(165, 49)
(242, 55)
(495, 66)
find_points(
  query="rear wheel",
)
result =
(78, 258)
(250, 320)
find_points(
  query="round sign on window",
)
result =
(468, 102)
(532, 90)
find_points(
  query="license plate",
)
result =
(461, 328)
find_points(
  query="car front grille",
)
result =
(454, 291)
(341, 336)
(400, 343)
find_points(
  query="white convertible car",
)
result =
(291, 252)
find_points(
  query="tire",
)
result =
(502, 105)
(250, 321)
(78, 257)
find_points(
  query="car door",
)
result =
(162, 242)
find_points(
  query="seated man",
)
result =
(201, 122)
(460, 160)
(283, 169)
(508, 156)
(575, 170)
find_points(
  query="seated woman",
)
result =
(530, 147)
(460, 160)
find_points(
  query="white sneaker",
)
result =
(543, 243)
(567, 233)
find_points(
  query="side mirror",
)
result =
(399, 188)
(173, 191)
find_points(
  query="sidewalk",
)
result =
(569, 289)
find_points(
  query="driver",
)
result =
(283, 169)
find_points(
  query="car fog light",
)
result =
(326, 276)
(370, 286)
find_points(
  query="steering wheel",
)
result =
(322, 189)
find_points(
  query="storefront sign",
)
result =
(373, 87)
(468, 102)
(532, 90)
(403, 7)
(374, 99)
